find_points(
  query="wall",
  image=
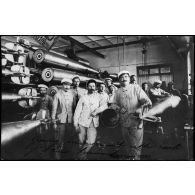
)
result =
(158, 52)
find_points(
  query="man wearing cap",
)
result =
(44, 104)
(78, 92)
(156, 93)
(63, 110)
(172, 91)
(43, 110)
(111, 94)
(86, 118)
(129, 100)
(108, 83)
(102, 92)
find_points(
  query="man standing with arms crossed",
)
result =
(129, 100)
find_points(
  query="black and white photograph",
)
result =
(97, 97)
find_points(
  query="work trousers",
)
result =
(87, 137)
(62, 134)
(133, 138)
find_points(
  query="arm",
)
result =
(74, 104)
(50, 104)
(115, 104)
(164, 92)
(103, 105)
(153, 94)
(35, 110)
(54, 107)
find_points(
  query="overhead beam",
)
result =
(93, 41)
(101, 39)
(122, 44)
(86, 48)
(108, 40)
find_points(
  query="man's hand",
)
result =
(114, 107)
(76, 126)
(94, 113)
(54, 124)
(33, 116)
(139, 112)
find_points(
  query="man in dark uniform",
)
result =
(43, 110)
(77, 91)
(44, 104)
(172, 91)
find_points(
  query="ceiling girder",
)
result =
(86, 48)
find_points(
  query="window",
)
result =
(165, 70)
(154, 71)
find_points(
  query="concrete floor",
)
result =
(109, 146)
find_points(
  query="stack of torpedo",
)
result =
(24, 66)
(54, 67)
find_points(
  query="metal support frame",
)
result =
(121, 44)
(86, 48)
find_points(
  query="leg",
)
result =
(82, 135)
(61, 135)
(91, 137)
(133, 139)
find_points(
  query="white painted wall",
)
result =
(158, 52)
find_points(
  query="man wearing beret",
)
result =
(102, 92)
(108, 83)
(129, 100)
(156, 93)
(86, 119)
(63, 110)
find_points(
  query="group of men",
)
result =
(80, 107)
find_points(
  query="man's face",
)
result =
(124, 79)
(91, 87)
(171, 86)
(102, 88)
(108, 83)
(133, 78)
(76, 82)
(111, 88)
(43, 91)
(145, 86)
(66, 86)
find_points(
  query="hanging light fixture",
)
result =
(124, 50)
(118, 54)
(144, 53)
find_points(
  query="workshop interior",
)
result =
(97, 98)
